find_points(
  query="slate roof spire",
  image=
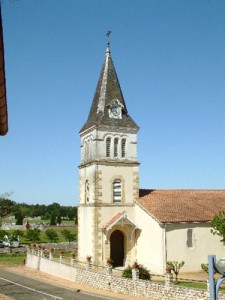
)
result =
(107, 90)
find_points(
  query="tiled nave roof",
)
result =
(171, 206)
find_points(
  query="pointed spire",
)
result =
(107, 91)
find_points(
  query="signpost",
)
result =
(219, 267)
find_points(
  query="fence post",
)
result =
(135, 273)
(88, 262)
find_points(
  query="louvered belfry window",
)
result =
(117, 190)
(108, 146)
(116, 141)
(123, 147)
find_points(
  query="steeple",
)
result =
(108, 106)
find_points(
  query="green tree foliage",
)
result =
(205, 267)
(53, 208)
(2, 234)
(46, 216)
(218, 225)
(6, 205)
(144, 273)
(68, 235)
(22, 210)
(52, 220)
(51, 235)
(19, 218)
(175, 266)
(59, 219)
(33, 235)
(18, 233)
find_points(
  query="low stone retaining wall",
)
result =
(140, 288)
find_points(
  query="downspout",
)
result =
(164, 248)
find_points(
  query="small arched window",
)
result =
(117, 191)
(123, 148)
(86, 191)
(108, 146)
(116, 142)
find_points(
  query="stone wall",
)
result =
(140, 288)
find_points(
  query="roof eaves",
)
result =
(142, 207)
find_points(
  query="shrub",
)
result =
(144, 273)
(175, 266)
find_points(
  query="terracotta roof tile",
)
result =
(114, 219)
(171, 206)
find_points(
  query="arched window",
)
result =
(117, 191)
(123, 148)
(116, 141)
(108, 146)
(86, 191)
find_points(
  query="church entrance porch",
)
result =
(117, 248)
(120, 235)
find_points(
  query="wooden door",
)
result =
(117, 248)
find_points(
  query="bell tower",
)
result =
(109, 169)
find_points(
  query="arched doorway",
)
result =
(117, 248)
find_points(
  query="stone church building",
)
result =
(118, 220)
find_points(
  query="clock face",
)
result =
(115, 109)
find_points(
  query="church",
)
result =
(117, 219)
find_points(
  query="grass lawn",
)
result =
(190, 284)
(12, 258)
(196, 285)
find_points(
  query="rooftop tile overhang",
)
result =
(173, 206)
(3, 100)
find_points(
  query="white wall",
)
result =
(51, 267)
(150, 244)
(85, 232)
(204, 244)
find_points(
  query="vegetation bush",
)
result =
(144, 273)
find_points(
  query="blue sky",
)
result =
(170, 60)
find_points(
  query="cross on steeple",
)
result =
(108, 36)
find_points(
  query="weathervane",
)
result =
(108, 36)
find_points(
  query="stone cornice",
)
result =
(109, 163)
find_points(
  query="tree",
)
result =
(6, 205)
(19, 218)
(33, 235)
(18, 233)
(52, 220)
(68, 235)
(2, 234)
(59, 219)
(218, 225)
(52, 235)
(175, 266)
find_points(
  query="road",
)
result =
(20, 287)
